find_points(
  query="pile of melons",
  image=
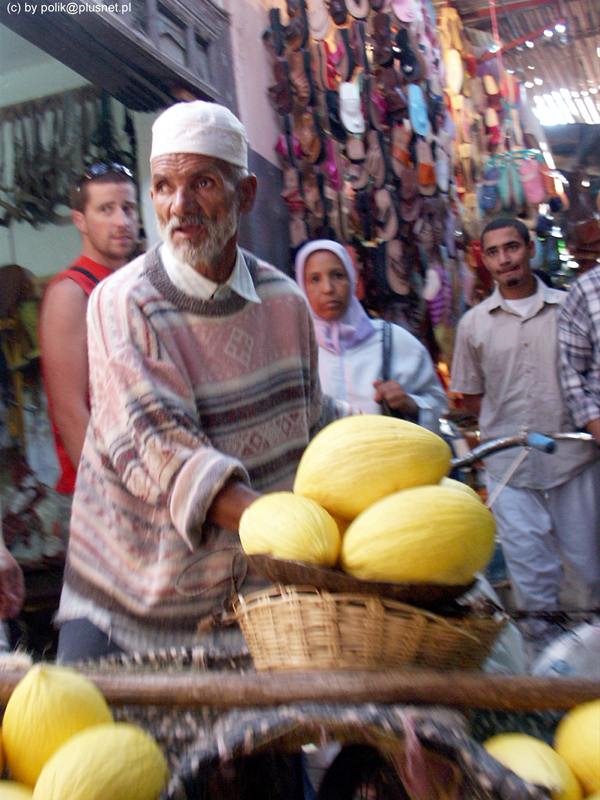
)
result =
(570, 769)
(60, 742)
(372, 495)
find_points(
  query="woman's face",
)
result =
(326, 284)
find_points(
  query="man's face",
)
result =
(109, 223)
(197, 207)
(507, 257)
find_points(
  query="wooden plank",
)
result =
(228, 689)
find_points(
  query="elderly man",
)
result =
(204, 390)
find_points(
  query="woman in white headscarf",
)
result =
(351, 345)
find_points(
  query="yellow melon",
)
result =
(355, 461)
(429, 534)
(577, 740)
(536, 762)
(11, 790)
(119, 761)
(48, 705)
(451, 483)
(286, 525)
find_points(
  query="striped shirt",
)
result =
(186, 394)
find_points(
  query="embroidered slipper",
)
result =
(288, 147)
(304, 94)
(359, 45)
(350, 107)
(362, 204)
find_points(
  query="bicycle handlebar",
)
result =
(538, 441)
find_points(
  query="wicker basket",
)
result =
(302, 628)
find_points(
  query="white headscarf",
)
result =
(354, 325)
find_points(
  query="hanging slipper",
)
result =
(425, 168)
(374, 159)
(281, 94)
(359, 45)
(319, 21)
(411, 201)
(395, 99)
(331, 167)
(355, 148)
(466, 164)
(346, 64)
(296, 31)
(288, 147)
(310, 136)
(397, 276)
(455, 73)
(350, 108)
(311, 194)
(376, 109)
(363, 206)
(417, 110)
(381, 34)
(338, 11)
(400, 149)
(336, 128)
(442, 169)
(386, 222)
(304, 94)
(273, 36)
(404, 10)
(359, 9)
(409, 63)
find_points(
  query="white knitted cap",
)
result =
(206, 129)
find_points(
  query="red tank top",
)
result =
(87, 274)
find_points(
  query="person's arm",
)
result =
(230, 503)
(12, 583)
(64, 354)
(472, 402)
(414, 389)
(576, 360)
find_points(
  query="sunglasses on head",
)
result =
(103, 168)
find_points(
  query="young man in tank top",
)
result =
(104, 210)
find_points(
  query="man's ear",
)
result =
(246, 190)
(78, 218)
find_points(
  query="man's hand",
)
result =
(229, 505)
(396, 398)
(12, 585)
(593, 427)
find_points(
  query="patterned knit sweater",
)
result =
(186, 394)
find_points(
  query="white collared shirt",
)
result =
(190, 281)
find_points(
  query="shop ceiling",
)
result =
(553, 47)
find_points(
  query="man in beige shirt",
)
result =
(505, 366)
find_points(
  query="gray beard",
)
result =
(210, 249)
